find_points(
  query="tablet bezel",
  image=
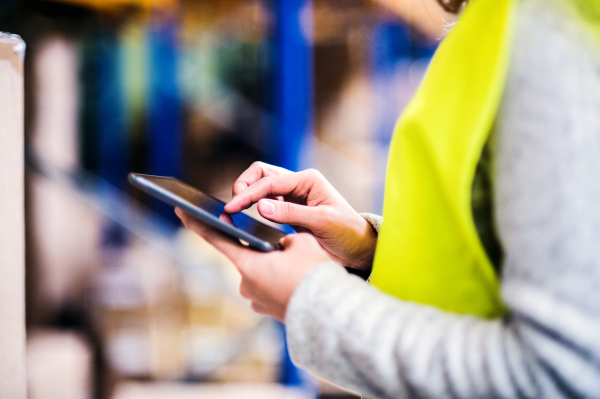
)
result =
(144, 183)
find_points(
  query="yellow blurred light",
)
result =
(111, 5)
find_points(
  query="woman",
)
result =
(487, 266)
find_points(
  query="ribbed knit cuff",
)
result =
(374, 220)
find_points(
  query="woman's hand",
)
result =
(308, 202)
(268, 279)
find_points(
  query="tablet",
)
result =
(241, 227)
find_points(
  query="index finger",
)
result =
(254, 173)
(267, 187)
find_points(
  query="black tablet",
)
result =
(245, 229)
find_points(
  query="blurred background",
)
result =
(121, 301)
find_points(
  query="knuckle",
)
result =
(270, 183)
(299, 239)
(239, 186)
(314, 174)
(327, 216)
(310, 240)
(289, 211)
(244, 290)
(261, 167)
(304, 237)
(256, 307)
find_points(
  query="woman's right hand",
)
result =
(309, 203)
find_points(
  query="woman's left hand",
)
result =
(268, 279)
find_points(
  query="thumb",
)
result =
(290, 213)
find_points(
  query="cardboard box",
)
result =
(12, 225)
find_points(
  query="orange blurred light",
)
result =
(115, 5)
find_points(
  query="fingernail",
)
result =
(266, 208)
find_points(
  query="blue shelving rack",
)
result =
(291, 101)
(165, 130)
(291, 81)
(392, 42)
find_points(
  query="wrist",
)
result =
(366, 242)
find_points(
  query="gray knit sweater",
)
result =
(546, 187)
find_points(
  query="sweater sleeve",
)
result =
(546, 190)
(359, 338)
(374, 220)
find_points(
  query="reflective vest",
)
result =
(428, 249)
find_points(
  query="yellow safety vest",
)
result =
(428, 249)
